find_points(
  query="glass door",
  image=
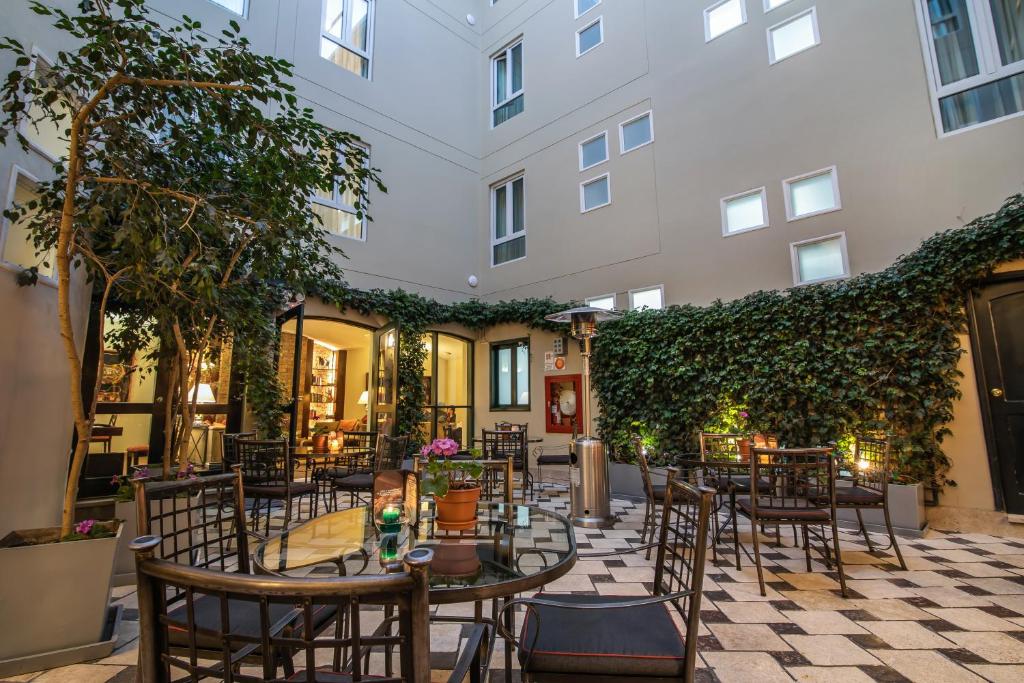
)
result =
(384, 380)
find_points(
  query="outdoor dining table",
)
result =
(513, 549)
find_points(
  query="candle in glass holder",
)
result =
(388, 552)
(334, 445)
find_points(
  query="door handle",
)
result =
(997, 392)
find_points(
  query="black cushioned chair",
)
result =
(201, 523)
(229, 449)
(510, 444)
(248, 624)
(387, 455)
(268, 472)
(615, 638)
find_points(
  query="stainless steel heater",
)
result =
(588, 465)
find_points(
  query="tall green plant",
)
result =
(184, 195)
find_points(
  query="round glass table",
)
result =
(514, 548)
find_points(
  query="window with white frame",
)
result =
(606, 301)
(594, 151)
(722, 17)
(337, 210)
(584, 6)
(346, 34)
(820, 259)
(507, 84)
(18, 248)
(239, 7)
(636, 132)
(975, 55)
(508, 221)
(595, 193)
(590, 36)
(793, 36)
(744, 211)
(647, 297)
(812, 194)
(45, 136)
(769, 5)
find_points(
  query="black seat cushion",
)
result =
(659, 491)
(243, 615)
(331, 677)
(857, 495)
(630, 641)
(808, 514)
(360, 481)
(297, 488)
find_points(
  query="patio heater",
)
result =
(588, 464)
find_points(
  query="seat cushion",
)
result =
(362, 481)
(857, 495)
(659, 491)
(298, 488)
(630, 641)
(331, 677)
(244, 616)
(808, 514)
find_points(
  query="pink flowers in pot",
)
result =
(85, 526)
(443, 447)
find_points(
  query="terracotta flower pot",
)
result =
(744, 446)
(320, 443)
(456, 511)
(454, 560)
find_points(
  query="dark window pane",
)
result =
(984, 103)
(509, 251)
(954, 44)
(508, 110)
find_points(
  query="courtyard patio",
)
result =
(956, 614)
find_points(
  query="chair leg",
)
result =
(757, 558)
(839, 557)
(736, 532)
(654, 526)
(892, 537)
(714, 537)
(864, 531)
(807, 548)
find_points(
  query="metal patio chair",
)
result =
(615, 638)
(869, 488)
(510, 444)
(268, 473)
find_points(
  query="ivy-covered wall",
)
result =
(812, 364)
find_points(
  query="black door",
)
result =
(999, 342)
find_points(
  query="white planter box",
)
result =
(625, 479)
(54, 600)
(906, 510)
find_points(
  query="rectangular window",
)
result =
(589, 37)
(723, 17)
(744, 211)
(594, 151)
(18, 249)
(510, 375)
(769, 5)
(820, 259)
(508, 221)
(794, 35)
(584, 6)
(44, 136)
(975, 59)
(595, 193)
(346, 34)
(338, 212)
(239, 7)
(636, 133)
(812, 194)
(647, 297)
(607, 302)
(507, 79)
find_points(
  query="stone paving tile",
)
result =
(831, 674)
(830, 650)
(997, 648)
(999, 674)
(824, 622)
(972, 619)
(905, 635)
(751, 613)
(750, 637)
(743, 667)
(926, 666)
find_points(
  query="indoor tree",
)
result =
(183, 199)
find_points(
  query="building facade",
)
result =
(625, 152)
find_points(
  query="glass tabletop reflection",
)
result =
(513, 548)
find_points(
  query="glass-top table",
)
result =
(513, 548)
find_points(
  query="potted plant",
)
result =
(454, 484)
(323, 434)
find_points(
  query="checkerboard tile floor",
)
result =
(957, 614)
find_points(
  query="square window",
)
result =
(769, 5)
(18, 249)
(636, 133)
(607, 302)
(510, 375)
(594, 151)
(723, 17)
(595, 193)
(589, 37)
(648, 297)
(584, 6)
(793, 36)
(236, 6)
(812, 194)
(744, 211)
(820, 259)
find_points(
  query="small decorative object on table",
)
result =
(454, 484)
